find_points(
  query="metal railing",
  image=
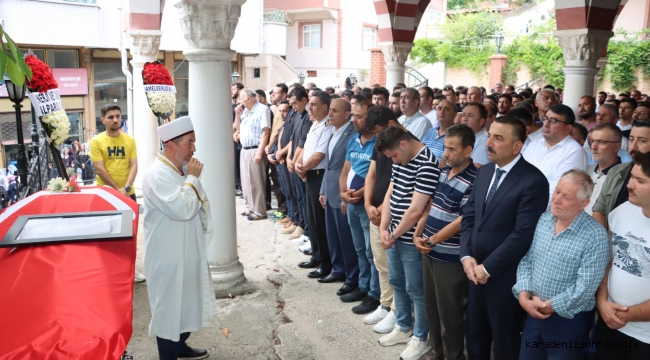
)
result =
(532, 82)
(415, 78)
(274, 16)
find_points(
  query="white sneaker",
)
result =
(387, 324)
(305, 247)
(139, 277)
(376, 316)
(301, 240)
(415, 349)
(395, 337)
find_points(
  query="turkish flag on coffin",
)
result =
(67, 301)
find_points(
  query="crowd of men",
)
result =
(460, 220)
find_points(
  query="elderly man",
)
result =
(545, 98)
(624, 295)
(498, 225)
(435, 137)
(310, 166)
(177, 227)
(413, 120)
(498, 87)
(556, 152)
(474, 115)
(474, 94)
(413, 182)
(345, 265)
(437, 236)
(253, 121)
(558, 277)
(605, 143)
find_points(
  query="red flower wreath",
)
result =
(155, 73)
(42, 78)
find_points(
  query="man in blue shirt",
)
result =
(558, 278)
(351, 184)
(437, 236)
(435, 137)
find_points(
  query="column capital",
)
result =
(396, 53)
(582, 47)
(144, 44)
(209, 24)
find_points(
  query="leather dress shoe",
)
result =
(193, 354)
(309, 264)
(308, 252)
(318, 273)
(331, 278)
(345, 289)
(430, 356)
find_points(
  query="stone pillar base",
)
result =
(227, 276)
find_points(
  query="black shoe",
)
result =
(193, 354)
(238, 192)
(309, 264)
(268, 207)
(368, 305)
(308, 252)
(318, 273)
(331, 278)
(355, 295)
(345, 289)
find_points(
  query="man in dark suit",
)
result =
(498, 226)
(345, 266)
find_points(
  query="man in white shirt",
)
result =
(426, 105)
(474, 94)
(474, 115)
(626, 111)
(412, 120)
(311, 168)
(556, 152)
(605, 143)
(623, 297)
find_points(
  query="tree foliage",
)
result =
(468, 42)
(624, 55)
(542, 58)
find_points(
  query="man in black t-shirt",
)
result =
(376, 186)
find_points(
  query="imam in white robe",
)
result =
(176, 231)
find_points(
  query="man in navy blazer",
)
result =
(345, 266)
(498, 226)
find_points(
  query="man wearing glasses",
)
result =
(605, 143)
(556, 152)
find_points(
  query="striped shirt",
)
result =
(565, 268)
(434, 142)
(252, 123)
(421, 175)
(448, 203)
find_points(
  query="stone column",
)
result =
(396, 54)
(144, 48)
(582, 49)
(208, 27)
(497, 62)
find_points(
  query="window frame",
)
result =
(301, 34)
(363, 36)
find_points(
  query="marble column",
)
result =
(395, 54)
(144, 48)
(582, 49)
(208, 27)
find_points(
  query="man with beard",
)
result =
(462, 98)
(602, 96)
(587, 112)
(505, 104)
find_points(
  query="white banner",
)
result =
(47, 102)
(164, 88)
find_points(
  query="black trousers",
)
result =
(494, 316)
(613, 344)
(316, 220)
(273, 183)
(237, 176)
(169, 350)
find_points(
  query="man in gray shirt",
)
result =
(413, 120)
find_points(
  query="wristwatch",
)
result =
(128, 189)
(429, 243)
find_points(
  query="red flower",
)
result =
(42, 78)
(155, 73)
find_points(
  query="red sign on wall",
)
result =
(71, 81)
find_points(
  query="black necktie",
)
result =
(495, 185)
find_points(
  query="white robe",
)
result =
(176, 231)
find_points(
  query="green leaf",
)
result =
(18, 57)
(3, 63)
(15, 75)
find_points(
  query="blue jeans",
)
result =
(299, 187)
(360, 226)
(405, 276)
